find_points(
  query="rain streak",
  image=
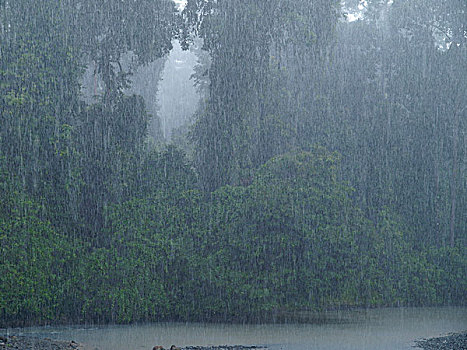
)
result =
(233, 174)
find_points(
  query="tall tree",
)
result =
(106, 30)
(398, 132)
(39, 97)
(48, 137)
(244, 38)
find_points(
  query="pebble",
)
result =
(453, 341)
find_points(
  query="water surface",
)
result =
(376, 329)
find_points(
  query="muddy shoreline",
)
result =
(33, 343)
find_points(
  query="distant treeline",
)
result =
(325, 168)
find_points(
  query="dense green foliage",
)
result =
(380, 91)
(291, 240)
(99, 225)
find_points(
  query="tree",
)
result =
(107, 30)
(244, 38)
(39, 98)
(384, 112)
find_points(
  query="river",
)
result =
(376, 329)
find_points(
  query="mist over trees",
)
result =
(325, 166)
(369, 89)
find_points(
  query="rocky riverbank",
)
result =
(31, 343)
(453, 341)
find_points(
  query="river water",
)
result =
(375, 329)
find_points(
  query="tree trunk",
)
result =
(454, 178)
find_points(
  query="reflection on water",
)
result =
(390, 329)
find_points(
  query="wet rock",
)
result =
(216, 347)
(453, 341)
(225, 347)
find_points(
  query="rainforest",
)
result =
(323, 165)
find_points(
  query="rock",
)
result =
(225, 347)
(453, 341)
